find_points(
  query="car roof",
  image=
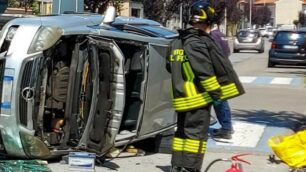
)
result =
(292, 30)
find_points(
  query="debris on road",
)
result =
(24, 165)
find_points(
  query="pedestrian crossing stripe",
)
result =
(295, 81)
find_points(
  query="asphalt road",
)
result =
(274, 104)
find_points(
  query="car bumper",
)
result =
(287, 58)
(248, 46)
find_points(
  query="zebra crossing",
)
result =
(269, 80)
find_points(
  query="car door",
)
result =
(105, 63)
(158, 113)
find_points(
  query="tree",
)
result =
(301, 18)
(261, 15)
(101, 5)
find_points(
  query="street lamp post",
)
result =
(250, 20)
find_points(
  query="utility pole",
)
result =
(76, 5)
(250, 14)
(59, 6)
(225, 20)
(181, 15)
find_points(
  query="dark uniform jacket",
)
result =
(200, 72)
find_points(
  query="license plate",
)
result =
(290, 46)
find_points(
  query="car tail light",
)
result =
(273, 45)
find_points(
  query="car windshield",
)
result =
(288, 37)
(248, 34)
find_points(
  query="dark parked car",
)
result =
(248, 40)
(288, 47)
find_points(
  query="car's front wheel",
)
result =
(271, 64)
(235, 51)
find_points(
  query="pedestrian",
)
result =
(223, 111)
(201, 76)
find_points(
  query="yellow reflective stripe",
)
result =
(178, 144)
(189, 107)
(204, 15)
(189, 69)
(181, 104)
(229, 90)
(190, 150)
(188, 76)
(188, 145)
(199, 96)
(211, 84)
(179, 139)
(190, 89)
(190, 102)
(193, 141)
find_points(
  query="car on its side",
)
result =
(248, 39)
(82, 82)
(288, 47)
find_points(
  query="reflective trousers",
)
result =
(189, 142)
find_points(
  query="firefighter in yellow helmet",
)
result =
(201, 76)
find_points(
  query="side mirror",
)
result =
(109, 16)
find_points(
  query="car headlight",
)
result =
(45, 38)
(33, 146)
(11, 33)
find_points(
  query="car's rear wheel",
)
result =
(271, 64)
(236, 51)
(262, 50)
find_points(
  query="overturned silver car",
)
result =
(70, 83)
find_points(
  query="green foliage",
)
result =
(101, 5)
(35, 7)
(13, 3)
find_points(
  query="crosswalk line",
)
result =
(247, 79)
(281, 81)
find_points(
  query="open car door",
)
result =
(158, 112)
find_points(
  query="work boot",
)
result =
(222, 133)
(176, 169)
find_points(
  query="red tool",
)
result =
(236, 163)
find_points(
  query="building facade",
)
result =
(132, 9)
(284, 12)
(45, 7)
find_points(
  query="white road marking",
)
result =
(246, 135)
(247, 79)
(282, 81)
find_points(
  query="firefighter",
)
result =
(201, 76)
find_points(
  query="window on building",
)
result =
(135, 12)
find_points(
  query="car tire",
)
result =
(271, 64)
(262, 50)
(236, 51)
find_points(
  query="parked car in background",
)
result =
(288, 47)
(82, 82)
(248, 39)
(263, 32)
